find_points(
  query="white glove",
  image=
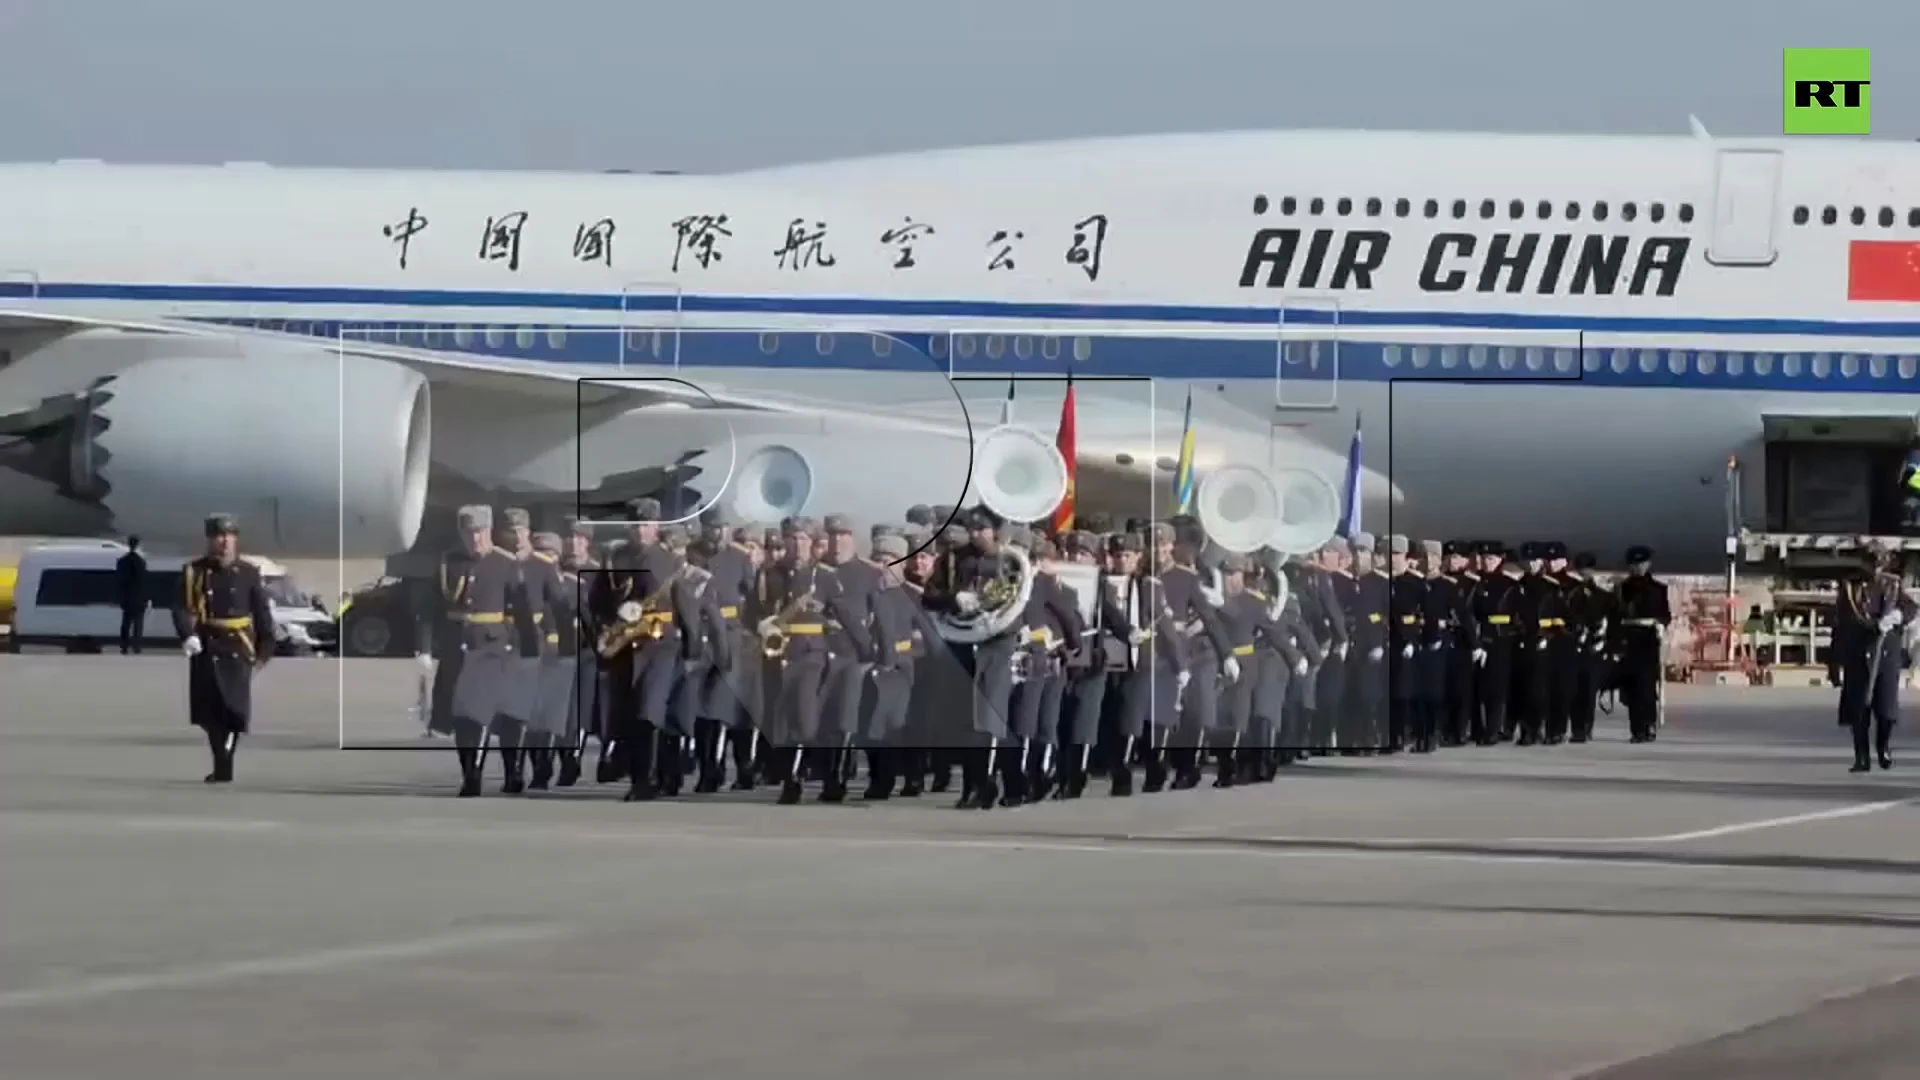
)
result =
(1340, 650)
(1890, 620)
(1300, 666)
(1375, 653)
(191, 646)
(427, 663)
(1135, 637)
(1480, 657)
(1183, 679)
(1230, 667)
(1540, 645)
(1406, 652)
(1436, 646)
(967, 602)
(629, 611)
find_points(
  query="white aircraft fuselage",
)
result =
(1554, 337)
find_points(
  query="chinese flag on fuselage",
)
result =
(1066, 443)
(1885, 270)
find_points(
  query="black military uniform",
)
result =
(1549, 676)
(1410, 722)
(1286, 685)
(730, 698)
(513, 720)
(1869, 648)
(851, 654)
(1333, 592)
(225, 624)
(1463, 674)
(960, 580)
(1089, 664)
(1640, 600)
(555, 591)
(1156, 673)
(703, 646)
(1209, 650)
(1498, 637)
(1367, 694)
(1443, 679)
(796, 595)
(1591, 613)
(1053, 625)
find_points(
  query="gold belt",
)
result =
(1243, 650)
(806, 629)
(729, 611)
(1499, 620)
(240, 622)
(903, 646)
(1410, 620)
(479, 618)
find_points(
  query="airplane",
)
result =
(1536, 336)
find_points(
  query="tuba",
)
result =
(1021, 476)
(1002, 603)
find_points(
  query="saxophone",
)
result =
(630, 623)
(773, 629)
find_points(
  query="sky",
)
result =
(716, 85)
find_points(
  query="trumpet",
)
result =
(773, 629)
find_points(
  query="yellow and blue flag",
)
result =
(1183, 485)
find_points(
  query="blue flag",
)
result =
(1350, 524)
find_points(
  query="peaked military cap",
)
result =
(643, 510)
(713, 516)
(839, 523)
(1455, 547)
(1399, 545)
(916, 536)
(1137, 524)
(1490, 547)
(772, 538)
(1556, 550)
(954, 536)
(890, 546)
(1187, 530)
(1122, 542)
(1515, 554)
(1585, 560)
(796, 525)
(1639, 553)
(546, 543)
(474, 517)
(920, 514)
(517, 518)
(982, 518)
(222, 525)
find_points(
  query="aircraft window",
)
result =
(769, 343)
(1800, 215)
(1677, 362)
(1686, 213)
(1536, 358)
(937, 346)
(1449, 356)
(1790, 364)
(1628, 211)
(1886, 217)
(524, 337)
(1317, 206)
(1459, 208)
(1649, 361)
(1563, 360)
(1050, 347)
(1599, 211)
(1083, 348)
(1486, 208)
(657, 342)
(1656, 211)
(556, 337)
(1508, 358)
(1022, 346)
(1906, 367)
(1858, 216)
(1590, 360)
(496, 337)
(1829, 215)
(1622, 360)
(1402, 207)
(1343, 207)
(1432, 208)
(1573, 211)
(1476, 356)
(1877, 364)
(1289, 204)
(1390, 355)
(1373, 207)
(1516, 209)
(963, 345)
(1850, 366)
(1420, 356)
(431, 334)
(1913, 218)
(996, 346)
(1705, 363)
(463, 336)
(1763, 363)
(882, 344)
(823, 344)
(1736, 364)
(1822, 365)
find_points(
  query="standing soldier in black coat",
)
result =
(130, 583)
(1367, 670)
(1498, 638)
(1088, 664)
(1157, 671)
(1334, 591)
(1869, 647)
(1409, 721)
(1446, 671)
(1640, 601)
(796, 595)
(1592, 613)
(225, 625)
(1286, 688)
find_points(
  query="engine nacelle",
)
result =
(318, 455)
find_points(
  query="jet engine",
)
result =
(319, 455)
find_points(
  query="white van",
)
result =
(67, 596)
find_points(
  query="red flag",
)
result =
(1066, 443)
(1883, 270)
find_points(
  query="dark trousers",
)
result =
(1495, 686)
(221, 744)
(1640, 676)
(133, 624)
(1877, 713)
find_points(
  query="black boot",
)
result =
(469, 773)
(1226, 769)
(1122, 781)
(569, 769)
(540, 763)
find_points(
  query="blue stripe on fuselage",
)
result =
(1166, 354)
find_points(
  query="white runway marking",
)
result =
(196, 824)
(89, 990)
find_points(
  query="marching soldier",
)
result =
(912, 760)
(1286, 696)
(1463, 681)
(1157, 666)
(639, 636)
(1367, 696)
(796, 593)
(1409, 721)
(225, 625)
(515, 712)
(1498, 604)
(1089, 664)
(1544, 625)
(960, 581)
(1244, 617)
(1053, 624)
(1640, 600)
(466, 630)
(700, 634)
(1869, 646)
(730, 699)
(900, 631)
(1563, 652)
(1338, 593)
(1209, 648)
(850, 652)
(1593, 606)
(554, 595)
(578, 567)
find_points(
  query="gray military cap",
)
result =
(476, 517)
(222, 525)
(644, 510)
(674, 534)
(714, 517)
(1235, 563)
(878, 531)
(917, 536)
(920, 514)
(1362, 542)
(890, 546)
(1122, 542)
(943, 514)
(839, 523)
(517, 518)
(954, 536)
(1162, 533)
(575, 527)
(546, 543)
(1399, 545)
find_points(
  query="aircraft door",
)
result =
(649, 324)
(1306, 371)
(19, 285)
(1746, 187)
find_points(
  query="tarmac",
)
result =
(1726, 902)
